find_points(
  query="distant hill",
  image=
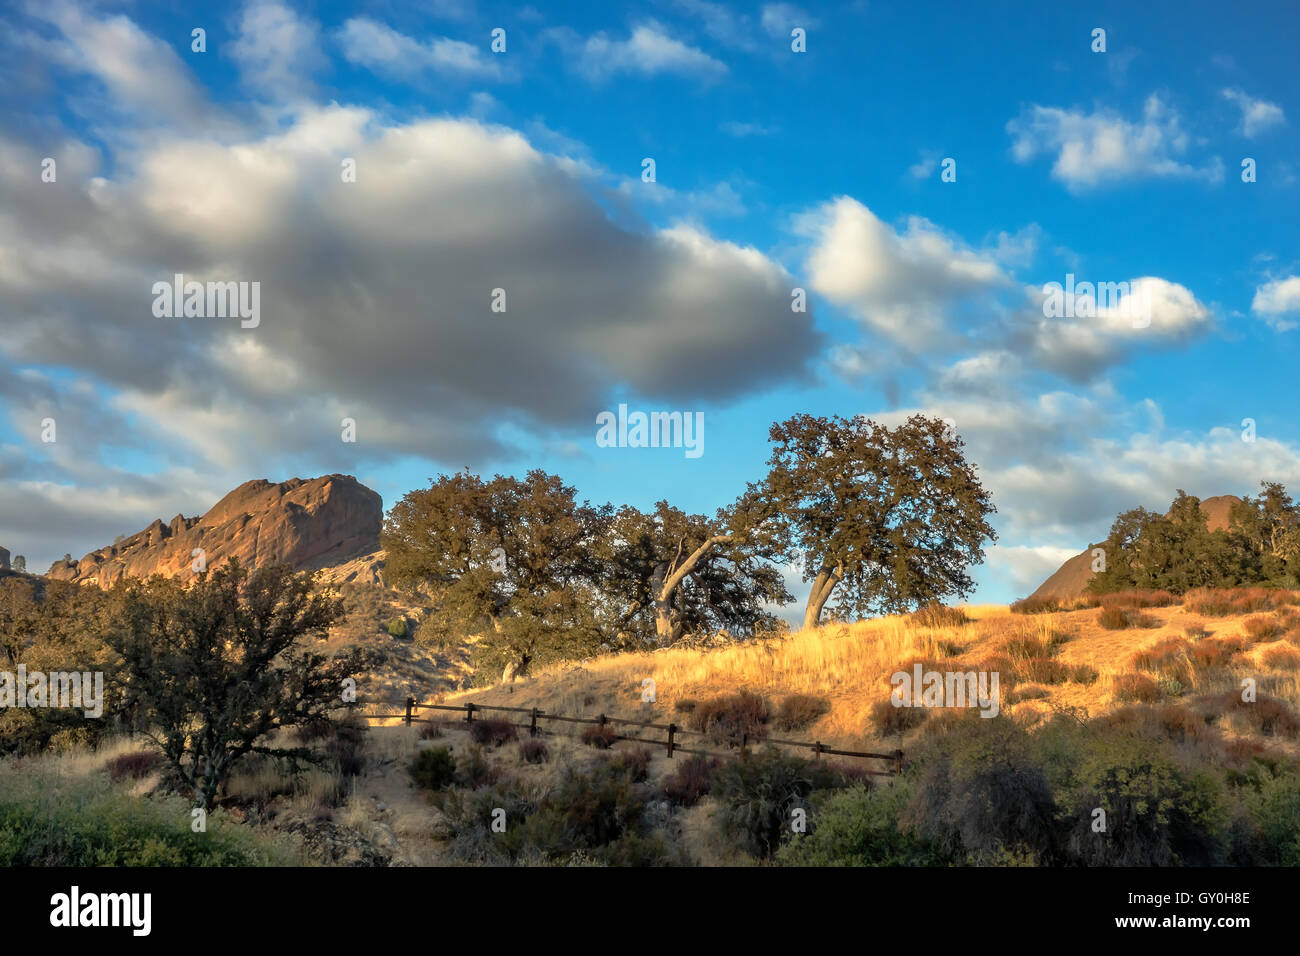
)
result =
(309, 523)
(1071, 579)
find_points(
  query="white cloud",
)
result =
(1093, 149)
(779, 19)
(1278, 298)
(375, 299)
(903, 285)
(277, 50)
(381, 49)
(1256, 115)
(648, 50)
(143, 76)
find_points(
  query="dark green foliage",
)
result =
(434, 769)
(757, 794)
(981, 793)
(66, 822)
(860, 827)
(1177, 552)
(220, 664)
(886, 519)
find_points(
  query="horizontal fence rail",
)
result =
(673, 731)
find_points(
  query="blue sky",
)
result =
(774, 169)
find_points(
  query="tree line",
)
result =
(878, 520)
(1177, 551)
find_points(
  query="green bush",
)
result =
(47, 821)
(1275, 810)
(1158, 812)
(434, 769)
(859, 827)
(757, 795)
(398, 627)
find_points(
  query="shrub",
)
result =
(685, 705)
(1195, 632)
(798, 711)
(1137, 599)
(1261, 628)
(473, 769)
(434, 769)
(1031, 605)
(635, 762)
(1119, 619)
(314, 730)
(1224, 602)
(1084, 674)
(980, 795)
(692, 780)
(492, 732)
(69, 822)
(1214, 653)
(1275, 807)
(534, 750)
(889, 719)
(726, 719)
(347, 746)
(1042, 670)
(398, 627)
(137, 764)
(1268, 715)
(433, 729)
(1281, 657)
(859, 827)
(756, 795)
(935, 614)
(600, 736)
(1138, 687)
(1157, 812)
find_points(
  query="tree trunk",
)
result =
(664, 587)
(822, 587)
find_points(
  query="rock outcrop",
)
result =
(310, 524)
(1071, 579)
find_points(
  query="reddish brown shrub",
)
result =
(492, 733)
(1281, 657)
(889, 719)
(600, 736)
(729, 718)
(692, 780)
(534, 750)
(800, 710)
(1261, 628)
(1137, 599)
(137, 764)
(1137, 687)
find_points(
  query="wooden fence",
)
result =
(671, 742)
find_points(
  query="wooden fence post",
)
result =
(672, 729)
(898, 762)
(410, 705)
(817, 750)
(469, 713)
(532, 727)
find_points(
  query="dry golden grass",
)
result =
(850, 665)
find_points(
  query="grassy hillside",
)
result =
(1179, 653)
